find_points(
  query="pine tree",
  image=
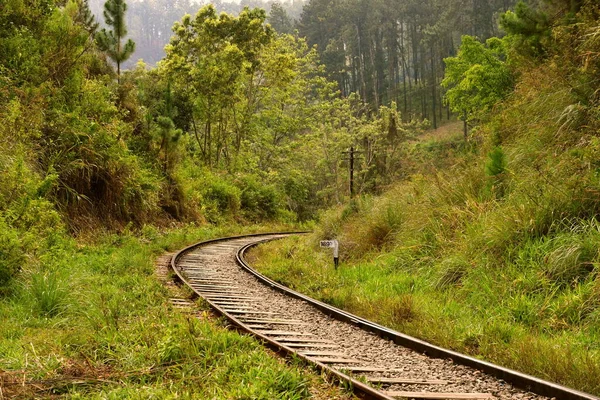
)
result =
(110, 41)
(279, 19)
(85, 17)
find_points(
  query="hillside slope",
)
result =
(497, 253)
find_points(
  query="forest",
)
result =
(383, 51)
(150, 21)
(132, 128)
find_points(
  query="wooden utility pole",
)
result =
(433, 84)
(351, 155)
(352, 172)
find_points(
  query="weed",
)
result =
(11, 256)
(403, 309)
(571, 260)
(452, 272)
(49, 292)
(110, 317)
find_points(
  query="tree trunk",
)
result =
(433, 91)
(440, 106)
(361, 65)
(207, 144)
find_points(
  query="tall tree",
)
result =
(110, 41)
(85, 17)
(279, 19)
(217, 56)
(392, 50)
(477, 78)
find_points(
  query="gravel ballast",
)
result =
(212, 270)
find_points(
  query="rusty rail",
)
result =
(517, 379)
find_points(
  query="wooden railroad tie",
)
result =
(215, 286)
(313, 346)
(331, 360)
(210, 281)
(233, 309)
(314, 353)
(409, 381)
(239, 311)
(231, 303)
(213, 290)
(441, 396)
(303, 340)
(228, 297)
(252, 320)
(283, 333)
(371, 369)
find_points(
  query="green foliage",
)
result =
(279, 19)
(29, 224)
(85, 17)
(11, 255)
(221, 197)
(495, 169)
(452, 272)
(274, 117)
(496, 164)
(528, 29)
(258, 201)
(70, 124)
(478, 77)
(110, 317)
(570, 259)
(48, 291)
(392, 51)
(219, 55)
(110, 41)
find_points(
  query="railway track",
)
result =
(379, 363)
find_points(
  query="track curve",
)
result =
(378, 362)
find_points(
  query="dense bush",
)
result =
(258, 201)
(29, 223)
(11, 255)
(502, 244)
(220, 198)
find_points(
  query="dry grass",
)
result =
(448, 131)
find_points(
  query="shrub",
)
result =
(403, 309)
(373, 228)
(222, 198)
(452, 271)
(494, 169)
(48, 292)
(11, 255)
(257, 200)
(572, 259)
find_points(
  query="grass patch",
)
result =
(492, 250)
(91, 320)
(537, 313)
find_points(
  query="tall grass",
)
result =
(49, 292)
(92, 321)
(496, 256)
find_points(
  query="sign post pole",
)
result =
(333, 244)
(336, 258)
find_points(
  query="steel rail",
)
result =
(359, 388)
(517, 379)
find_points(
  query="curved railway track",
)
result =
(378, 362)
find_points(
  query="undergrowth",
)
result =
(496, 254)
(90, 319)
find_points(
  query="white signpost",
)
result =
(333, 244)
